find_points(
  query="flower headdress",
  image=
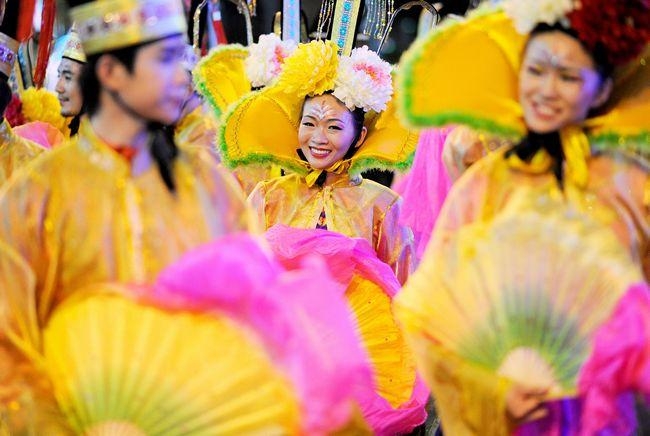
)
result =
(229, 72)
(361, 80)
(36, 104)
(622, 28)
(265, 59)
(481, 90)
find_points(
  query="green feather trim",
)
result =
(483, 124)
(202, 88)
(294, 165)
(612, 140)
(635, 145)
(200, 81)
(370, 163)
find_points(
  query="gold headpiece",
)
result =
(106, 25)
(73, 48)
(8, 53)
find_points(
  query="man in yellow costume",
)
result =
(120, 201)
(67, 85)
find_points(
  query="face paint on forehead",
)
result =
(546, 56)
(322, 110)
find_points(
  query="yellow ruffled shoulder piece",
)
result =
(442, 84)
(310, 70)
(220, 76)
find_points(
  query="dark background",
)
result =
(402, 35)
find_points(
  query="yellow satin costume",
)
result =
(198, 128)
(14, 151)
(78, 217)
(353, 207)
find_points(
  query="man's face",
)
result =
(67, 87)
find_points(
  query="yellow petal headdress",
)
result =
(442, 83)
(625, 121)
(311, 70)
(230, 71)
(220, 76)
(466, 72)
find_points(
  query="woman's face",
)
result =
(158, 85)
(558, 83)
(326, 131)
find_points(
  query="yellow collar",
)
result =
(575, 146)
(339, 167)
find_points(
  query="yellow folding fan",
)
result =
(122, 368)
(521, 296)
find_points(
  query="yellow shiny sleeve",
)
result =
(28, 258)
(225, 193)
(18, 320)
(394, 243)
(27, 403)
(15, 152)
(257, 202)
(469, 400)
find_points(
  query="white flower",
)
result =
(526, 14)
(363, 81)
(265, 59)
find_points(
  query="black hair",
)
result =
(358, 118)
(598, 53)
(5, 94)
(532, 142)
(74, 124)
(162, 146)
(9, 25)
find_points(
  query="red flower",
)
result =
(14, 112)
(622, 27)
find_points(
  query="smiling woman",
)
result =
(550, 91)
(559, 82)
(337, 104)
(327, 118)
